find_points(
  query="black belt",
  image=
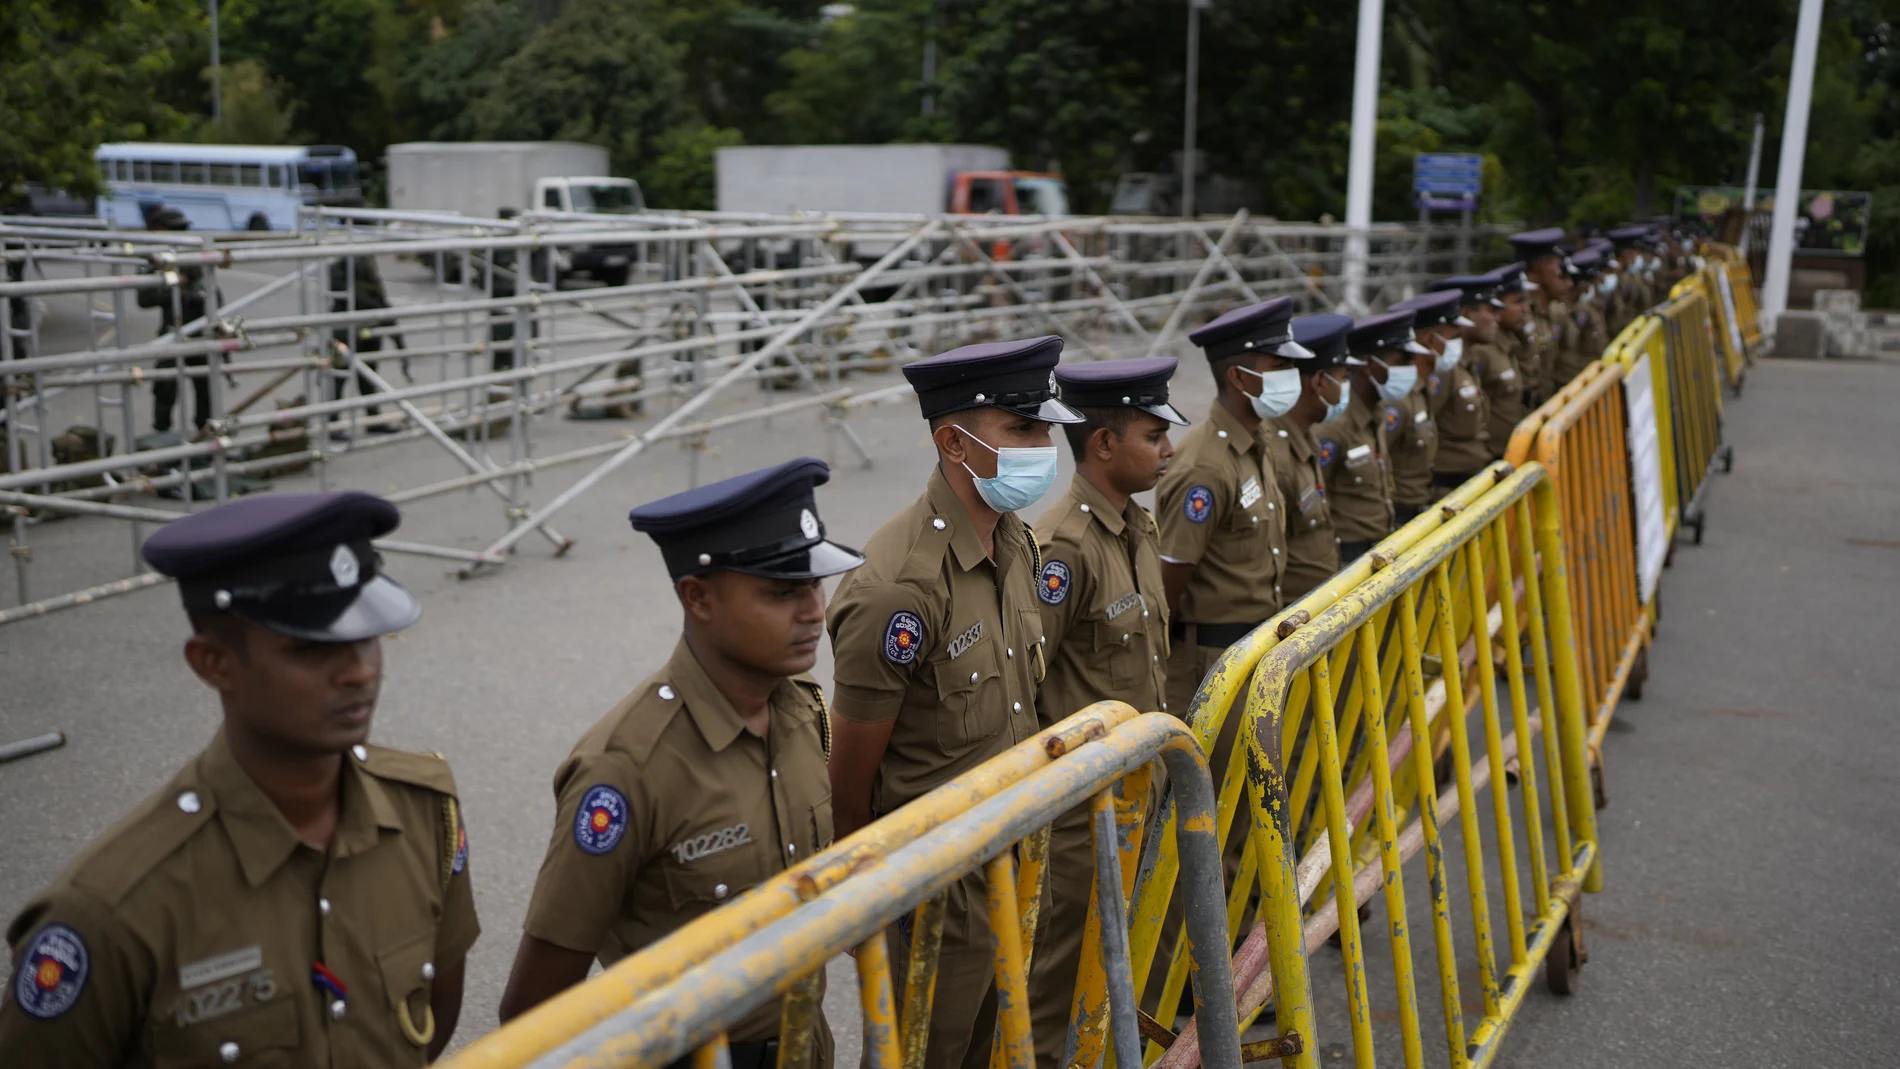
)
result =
(1213, 636)
(762, 1054)
(1352, 551)
(1440, 478)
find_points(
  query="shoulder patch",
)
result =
(1328, 449)
(52, 972)
(1054, 588)
(1433, 382)
(903, 637)
(460, 864)
(1392, 419)
(426, 770)
(600, 821)
(1198, 503)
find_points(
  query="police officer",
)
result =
(1381, 353)
(1312, 545)
(1543, 267)
(1410, 430)
(1460, 405)
(1496, 373)
(1516, 334)
(938, 639)
(1592, 330)
(1105, 622)
(357, 277)
(709, 778)
(1633, 294)
(190, 306)
(1223, 542)
(294, 896)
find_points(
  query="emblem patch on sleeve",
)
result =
(1328, 449)
(903, 637)
(52, 973)
(1392, 418)
(461, 849)
(601, 820)
(1054, 588)
(1199, 503)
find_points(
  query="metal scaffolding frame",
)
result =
(709, 300)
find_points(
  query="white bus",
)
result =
(223, 187)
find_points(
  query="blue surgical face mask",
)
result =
(1608, 284)
(1454, 348)
(1338, 408)
(1399, 381)
(1279, 392)
(1023, 475)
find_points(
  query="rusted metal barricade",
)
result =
(679, 995)
(1374, 664)
(1726, 340)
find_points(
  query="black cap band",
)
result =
(1013, 389)
(1263, 344)
(743, 543)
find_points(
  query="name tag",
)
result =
(1467, 392)
(1508, 374)
(1249, 491)
(1124, 604)
(1359, 456)
(1310, 499)
(962, 643)
(221, 967)
(1421, 416)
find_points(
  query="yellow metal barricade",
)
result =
(679, 995)
(1487, 587)
(1726, 341)
(1695, 400)
(1218, 716)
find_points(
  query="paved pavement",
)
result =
(1749, 914)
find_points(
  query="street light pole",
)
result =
(1193, 104)
(217, 74)
(1748, 191)
(1365, 119)
(1794, 147)
(930, 60)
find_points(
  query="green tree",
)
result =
(80, 72)
(255, 112)
(333, 54)
(451, 62)
(596, 73)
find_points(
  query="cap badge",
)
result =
(808, 523)
(343, 567)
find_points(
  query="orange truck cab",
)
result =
(1008, 193)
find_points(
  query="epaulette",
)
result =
(426, 770)
(1074, 523)
(925, 556)
(822, 712)
(641, 718)
(126, 854)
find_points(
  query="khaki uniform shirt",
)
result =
(187, 934)
(1543, 338)
(670, 807)
(1462, 412)
(1584, 339)
(1103, 610)
(1524, 356)
(1312, 548)
(1503, 389)
(1220, 510)
(1413, 439)
(1354, 457)
(943, 639)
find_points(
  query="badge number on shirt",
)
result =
(1249, 491)
(713, 842)
(962, 643)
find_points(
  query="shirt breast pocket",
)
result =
(970, 694)
(407, 972)
(1122, 649)
(713, 867)
(1247, 534)
(266, 1034)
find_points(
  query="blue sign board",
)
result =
(1444, 174)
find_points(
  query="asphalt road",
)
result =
(1749, 913)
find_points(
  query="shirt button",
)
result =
(337, 1009)
(775, 773)
(428, 970)
(323, 906)
(1017, 707)
(1356, 480)
(1085, 508)
(719, 891)
(1255, 519)
(938, 523)
(1276, 551)
(972, 677)
(1144, 614)
(361, 751)
(1009, 651)
(188, 802)
(1269, 506)
(666, 692)
(1220, 434)
(1155, 657)
(229, 1052)
(792, 849)
(1124, 638)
